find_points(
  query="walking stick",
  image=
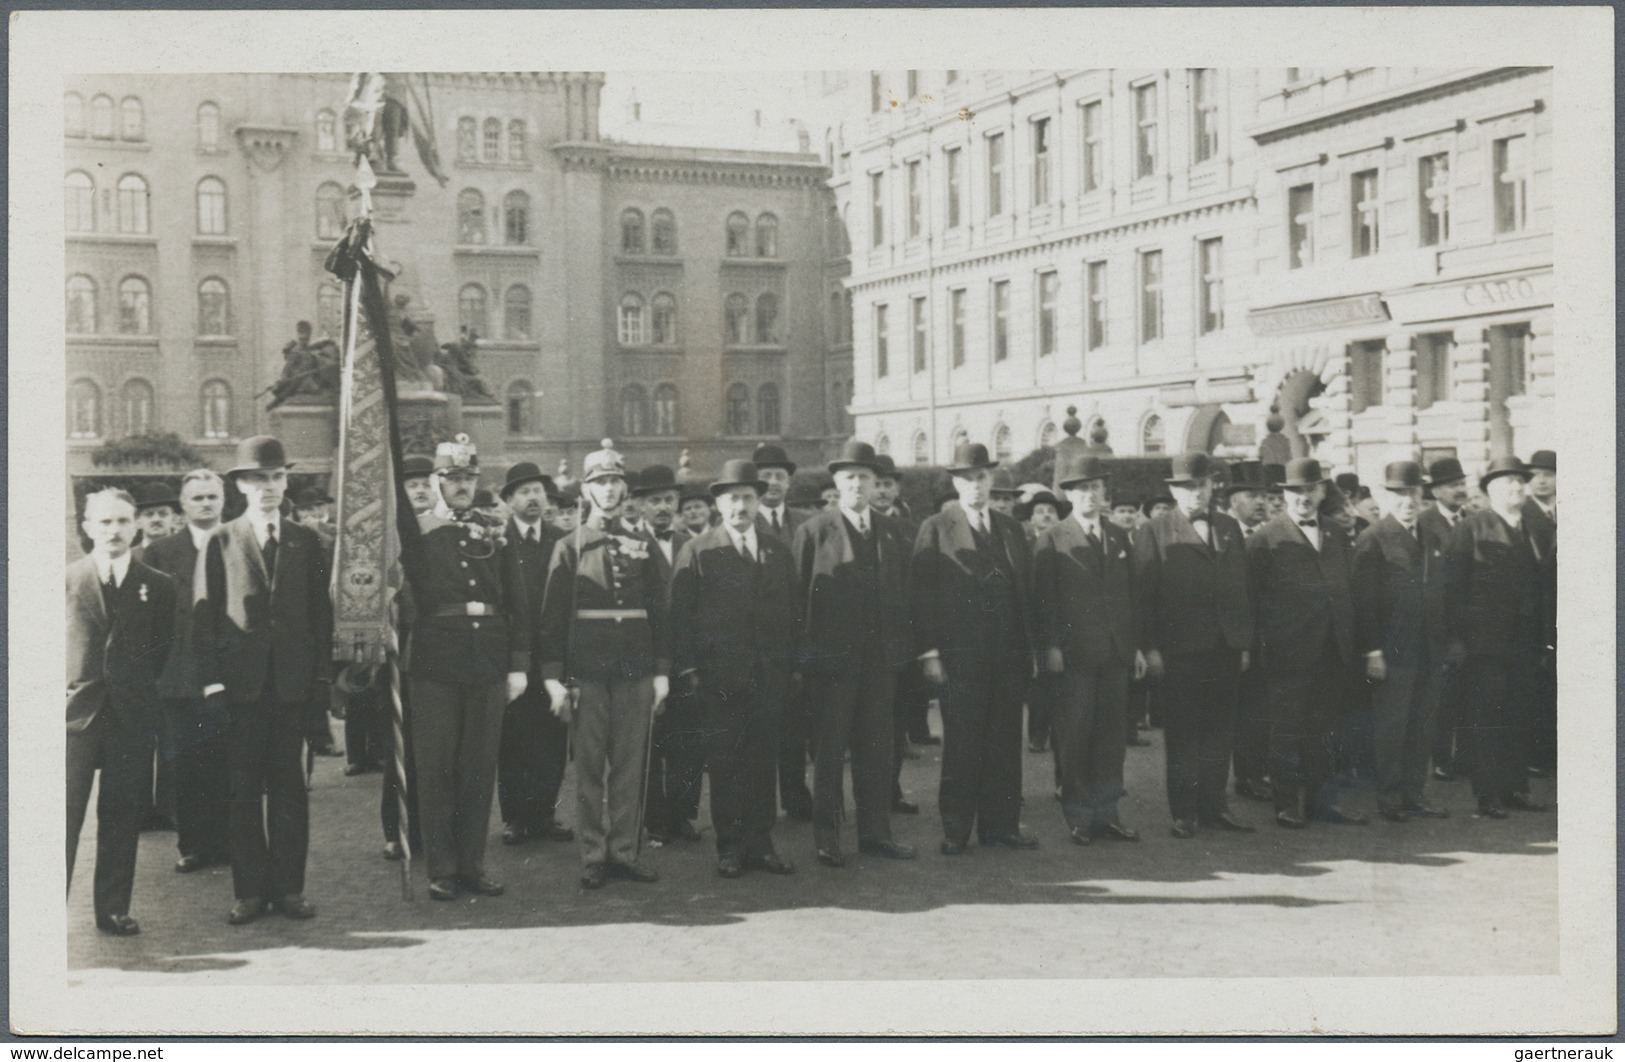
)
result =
(643, 791)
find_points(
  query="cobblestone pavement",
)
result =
(1464, 895)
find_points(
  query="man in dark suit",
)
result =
(1397, 576)
(852, 597)
(733, 621)
(972, 599)
(197, 728)
(1447, 484)
(1245, 501)
(1299, 567)
(1495, 604)
(1540, 517)
(910, 702)
(796, 724)
(263, 631)
(1196, 623)
(121, 616)
(1084, 608)
(530, 762)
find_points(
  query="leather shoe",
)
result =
(1336, 815)
(513, 833)
(245, 911)
(729, 866)
(1116, 831)
(1081, 835)
(482, 886)
(1227, 822)
(771, 863)
(1425, 810)
(831, 857)
(552, 830)
(1444, 774)
(295, 906)
(1491, 809)
(889, 849)
(119, 925)
(1394, 813)
(1253, 790)
(633, 872)
(1011, 840)
(1524, 802)
(393, 851)
(950, 847)
(905, 807)
(1290, 819)
(196, 861)
(443, 889)
(1184, 829)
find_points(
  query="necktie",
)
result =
(110, 584)
(530, 535)
(774, 515)
(269, 549)
(745, 550)
(1089, 536)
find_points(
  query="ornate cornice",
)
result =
(580, 155)
(766, 176)
(266, 145)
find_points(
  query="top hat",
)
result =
(1190, 467)
(416, 466)
(769, 456)
(1075, 467)
(1445, 470)
(885, 466)
(1004, 482)
(459, 453)
(1545, 460)
(1303, 472)
(526, 472)
(260, 453)
(654, 479)
(737, 472)
(1273, 476)
(603, 464)
(1348, 483)
(1401, 475)
(855, 453)
(1024, 511)
(1245, 475)
(310, 497)
(968, 457)
(1503, 466)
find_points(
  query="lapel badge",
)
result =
(143, 588)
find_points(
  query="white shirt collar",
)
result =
(773, 510)
(527, 528)
(120, 568)
(859, 520)
(746, 538)
(262, 524)
(200, 536)
(1450, 516)
(1090, 524)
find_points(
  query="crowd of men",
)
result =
(1288, 632)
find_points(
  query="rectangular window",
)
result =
(995, 175)
(1433, 194)
(915, 221)
(874, 92)
(956, 308)
(1300, 223)
(1049, 294)
(1365, 375)
(913, 83)
(1150, 295)
(1433, 368)
(1509, 365)
(1041, 162)
(1212, 283)
(1512, 165)
(882, 341)
(877, 209)
(1365, 213)
(1095, 328)
(1001, 320)
(916, 310)
(1145, 130)
(1094, 149)
(1205, 114)
(951, 160)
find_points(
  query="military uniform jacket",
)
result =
(533, 560)
(1083, 595)
(829, 591)
(1398, 583)
(1492, 581)
(950, 579)
(1301, 595)
(1193, 596)
(471, 624)
(117, 646)
(606, 572)
(176, 556)
(728, 612)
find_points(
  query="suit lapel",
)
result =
(1395, 530)
(961, 538)
(1185, 531)
(90, 593)
(249, 544)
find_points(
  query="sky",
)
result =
(737, 109)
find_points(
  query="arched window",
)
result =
(216, 401)
(634, 411)
(1003, 446)
(631, 330)
(738, 410)
(132, 204)
(516, 218)
(134, 307)
(138, 400)
(664, 319)
(1153, 438)
(519, 402)
(73, 114)
(79, 195)
(101, 117)
(491, 148)
(468, 134)
(767, 236)
(516, 140)
(922, 448)
(738, 235)
(470, 216)
(84, 410)
(883, 444)
(736, 312)
(132, 122)
(471, 310)
(211, 207)
(208, 126)
(330, 310)
(663, 235)
(631, 231)
(1048, 434)
(330, 211)
(767, 318)
(213, 308)
(81, 317)
(665, 410)
(516, 312)
(767, 409)
(327, 131)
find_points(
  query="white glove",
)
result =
(662, 688)
(558, 695)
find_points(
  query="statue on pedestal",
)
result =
(307, 368)
(459, 375)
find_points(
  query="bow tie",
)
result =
(1309, 523)
(664, 536)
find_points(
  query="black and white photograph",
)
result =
(757, 537)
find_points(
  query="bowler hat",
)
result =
(260, 453)
(654, 479)
(152, 495)
(768, 455)
(525, 472)
(1303, 472)
(1078, 468)
(1401, 475)
(1504, 466)
(1004, 482)
(737, 472)
(885, 466)
(1445, 470)
(416, 466)
(855, 453)
(968, 457)
(1156, 500)
(603, 463)
(1245, 475)
(1189, 467)
(310, 497)
(694, 491)
(1544, 460)
(1024, 510)
(1348, 483)
(484, 499)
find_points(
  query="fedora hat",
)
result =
(1544, 460)
(968, 457)
(1401, 475)
(1504, 466)
(768, 455)
(1445, 470)
(855, 453)
(1004, 482)
(654, 479)
(603, 463)
(1303, 472)
(152, 495)
(1024, 510)
(526, 472)
(1190, 467)
(310, 497)
(1079, 468)
(737, 472)
(260, 453)
(416, 466)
